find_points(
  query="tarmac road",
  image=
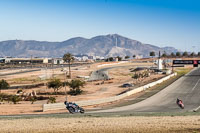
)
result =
(187, 88)
(20, 72)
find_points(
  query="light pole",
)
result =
(65, 71)
(193, 50)
(31, 62)
(52, 67)
(46, 75)
(65, 83)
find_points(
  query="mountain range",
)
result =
(105, 45)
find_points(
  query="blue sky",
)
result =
(159, 22)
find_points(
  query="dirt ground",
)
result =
(136, 124)
(92, 90)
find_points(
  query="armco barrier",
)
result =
(57, 106)
(102, 65)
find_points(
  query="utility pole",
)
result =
(116, 42)
(65, 84)
(46, 75)
(31, 62)
(52, 67)
(65, 80)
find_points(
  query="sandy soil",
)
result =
(167, 124)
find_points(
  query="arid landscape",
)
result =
(99, 66)
(91, 90)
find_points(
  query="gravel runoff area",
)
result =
(128, 124)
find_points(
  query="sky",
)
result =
(162, 23)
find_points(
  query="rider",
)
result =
(178, 101)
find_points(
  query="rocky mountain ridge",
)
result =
(105, 45)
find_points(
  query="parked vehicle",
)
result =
(127, 85)
(73, 108)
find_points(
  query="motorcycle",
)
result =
(180, 103)
(73, 108)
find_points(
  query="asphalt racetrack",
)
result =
(187, 88)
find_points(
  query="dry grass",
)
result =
(96, 125)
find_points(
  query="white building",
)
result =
(57, 61)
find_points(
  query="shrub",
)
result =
(75, 92)
(5, 97)
(1, 99)
(3, 85)
(136, 76)
(51, 100)
(127, 57)
(33, 99)
(15, 99)
(75, 87)
(141, 75)
(119, 58)
(56, 84)
(42, 98)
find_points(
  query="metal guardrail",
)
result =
(57, 106)
(20, 72)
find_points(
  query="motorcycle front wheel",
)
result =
(71, 110)
(82, 111)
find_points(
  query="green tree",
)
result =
(164, 55)
(185, 54)
(136, 76)
(75, 87)
(56, 84)
(119, 58)
(110, 59)
(152, 54)
(178, 54)
(134, 56)
(15, 99)
(172, 55)
(68, 58)
(198, 54)
(127, 57)
(192, 54)
(33, 99)
(51, 100)
(4, 85)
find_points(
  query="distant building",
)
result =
(84, 58)
(90, 58)
(138, 56)
(57, 61)
(25, 60)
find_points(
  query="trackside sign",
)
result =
(183, 62)
(186, 62)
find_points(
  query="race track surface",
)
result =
(187, 88)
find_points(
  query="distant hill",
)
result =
(105, 45)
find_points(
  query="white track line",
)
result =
(196, 85)
(195, 110)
